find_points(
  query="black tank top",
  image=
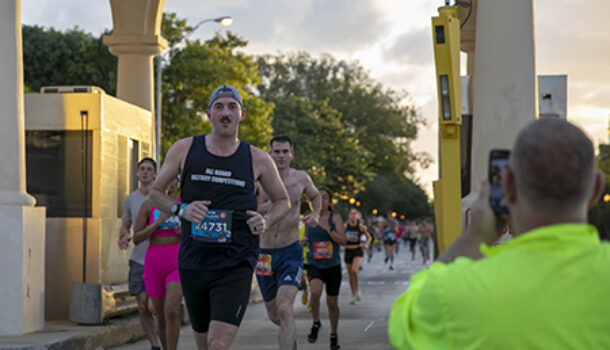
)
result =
(228, 182)
(352, 233)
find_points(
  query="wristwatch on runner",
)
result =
(175, 208)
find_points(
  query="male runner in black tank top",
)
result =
(219, 219)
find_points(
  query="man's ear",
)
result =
(243, 114)
(598, 188)
(508, 185)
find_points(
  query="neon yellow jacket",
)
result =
(546, 289)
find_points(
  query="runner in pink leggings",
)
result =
(161, 277)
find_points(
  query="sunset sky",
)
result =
(391, 39)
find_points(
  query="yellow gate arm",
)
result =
(447, 190)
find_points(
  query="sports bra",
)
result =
(167, 228)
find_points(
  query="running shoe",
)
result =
(313, 334)
(358, 296)
(391, 267)
(334, 342)
(387, 258)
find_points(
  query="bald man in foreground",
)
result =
(545, 289)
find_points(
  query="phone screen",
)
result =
(498, 160)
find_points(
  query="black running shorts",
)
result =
(216, 295)
(350, 254)
(331, 277)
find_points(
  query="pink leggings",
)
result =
(160, 268)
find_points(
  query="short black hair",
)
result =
(281, 138)
(148, 159)
(553, 162)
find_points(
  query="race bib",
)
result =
(172, 223)
(215, 228)
(323, 250)
(263, 265)
(352, 236)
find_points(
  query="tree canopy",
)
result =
(378, 117)
(386, 193)
(73, 57)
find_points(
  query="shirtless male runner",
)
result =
(280, 260)
(220, 224)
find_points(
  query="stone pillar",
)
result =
(136, 39)
(504, 78)
(22, 252)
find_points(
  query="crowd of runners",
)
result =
(221, 210)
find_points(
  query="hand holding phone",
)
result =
(498, 160)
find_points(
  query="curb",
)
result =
(69, 336)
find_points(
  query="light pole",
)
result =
(225, 21)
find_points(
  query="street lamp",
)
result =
(225, 21)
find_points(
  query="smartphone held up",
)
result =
(498, 160)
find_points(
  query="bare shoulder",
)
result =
(260, 159)
(259, 154)
(146, 205)
(300, 176)
(182, 145)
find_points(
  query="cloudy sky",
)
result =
(391, 39)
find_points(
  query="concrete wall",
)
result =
(124, 119)
(111, 121)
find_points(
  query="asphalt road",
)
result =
(361, 326)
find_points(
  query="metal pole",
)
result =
(84, 126)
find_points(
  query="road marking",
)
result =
(406, 283)
(369, 326)
(375, 283)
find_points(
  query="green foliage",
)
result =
(323, 147)
(195, 70)
(174, 29)
(73, 57)
(384, 126)
(386, 193)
